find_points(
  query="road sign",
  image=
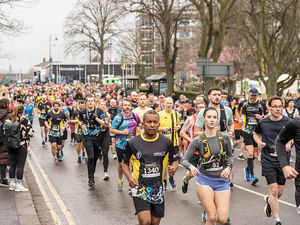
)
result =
(183, 76)
(206, 68)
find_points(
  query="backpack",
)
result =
(122, 119)
(222, 119)
(12, 135)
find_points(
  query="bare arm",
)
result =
(198, 130)
(186, 126)
(132, 182)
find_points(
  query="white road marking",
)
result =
(57, 197)
(47, 200)
(262, 195)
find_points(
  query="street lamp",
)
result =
(50, 58)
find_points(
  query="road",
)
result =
(70, 201)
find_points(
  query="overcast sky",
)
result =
(42, 19)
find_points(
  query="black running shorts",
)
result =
(42, 122)
(57, 140)
(237, 134)
(248, 139)
(273, 175)
(78, 137)
(120, 154)
(157, 210)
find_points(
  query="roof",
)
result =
(130, 77)
(156, 77)
(43, 64)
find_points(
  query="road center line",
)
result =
(45, 196)
(262, 195)
(57, 197)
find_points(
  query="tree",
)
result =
(273, 28)
(214, 17)
(92, 26)
(166, 16)
(130, 45)
(8, 24)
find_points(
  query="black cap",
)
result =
(181, 101)
(253, 91)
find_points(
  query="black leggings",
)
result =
(104, 141)
(91, 145)
(17, 158)
(2, 171)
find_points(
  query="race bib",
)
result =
(168, 133)
(43, 111)
(151, 170)
(55, 128)
(252, 121)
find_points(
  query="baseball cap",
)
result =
(253, 91)
(181, 101)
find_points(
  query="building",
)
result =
(63, 73)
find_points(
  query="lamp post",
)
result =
(50, 58)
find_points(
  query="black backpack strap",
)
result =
(122, 119)
(134, 117)
(222, 118)
(173, 132)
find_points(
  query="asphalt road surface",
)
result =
(70, 201)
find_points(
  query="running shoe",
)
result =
(12, 185)
(79, 160)
(106, 176)
(20, 187)
(46, 140)
(165, 184)
(184, 186)
(91, 183)
(241, 157)
(120, 185)
(247, 174)
(228, 221)
(129, 191)
(114, 155)
(71, 142)
(4, 182)
(254, 180)
(203, 217)
(199, 202)
(278, 223)
(60, 158)
(43, 143)
(267, 209)
(55, 161)
(172, 183)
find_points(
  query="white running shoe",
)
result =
(12, 185)
(20, 187)
(106, 176)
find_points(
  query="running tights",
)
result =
(2, 171)
(17, 159)
(104, 141)
(250, 165)
(297, 197)
(93, 152)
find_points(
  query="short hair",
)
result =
(214, 89)
(142, 94)
(209, 109)
(150, 94)
(4, 103)
(150, 112)
(125, 100)
(56, 103)
(81, 102)
(155, 105)
(273, 98)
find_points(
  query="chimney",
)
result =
(44, 60)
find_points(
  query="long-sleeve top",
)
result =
(213, 142)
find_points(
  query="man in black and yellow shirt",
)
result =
(169, 125)
(56, 122)
(150, 153)
(43, 108)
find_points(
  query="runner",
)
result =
(74, 118)
(151, 152)
(188, 133)
(265, 133)
(29, 110)
(213, 172)
(290, 132)
(90, 121)
(169, 125)
(249, 113)
(113, 110)
(142, 108)
(124, 126)
(43, 107)
(56, 123)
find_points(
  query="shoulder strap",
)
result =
(134, 116)
(121, 122)
(222, 118)
(206, 149)
(173, 133)
(221, 141)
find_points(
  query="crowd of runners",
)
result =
(151, 135)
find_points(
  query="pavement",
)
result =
(61, 195)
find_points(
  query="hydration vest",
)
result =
(212, 162)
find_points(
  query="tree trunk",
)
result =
(101, 67)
